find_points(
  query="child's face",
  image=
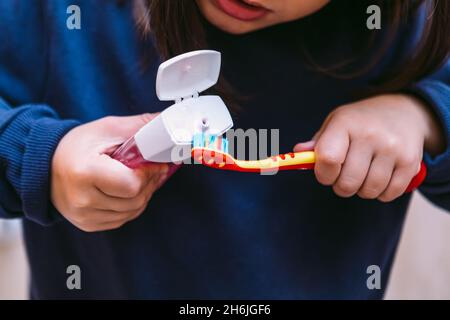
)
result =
(241, 16)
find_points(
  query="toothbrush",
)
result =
(193, 126)
(212, 151)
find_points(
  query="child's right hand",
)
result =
(93, 191)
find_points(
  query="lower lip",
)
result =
(240, 10)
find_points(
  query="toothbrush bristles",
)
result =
(210, 142)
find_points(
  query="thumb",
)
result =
(311, 144)
(305, 146)
(126, 127)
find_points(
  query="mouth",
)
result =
(244, 10)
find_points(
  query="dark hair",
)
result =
(178, 26)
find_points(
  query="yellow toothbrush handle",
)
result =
(288, 161)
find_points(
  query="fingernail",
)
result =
(147, 117)
(305, 146)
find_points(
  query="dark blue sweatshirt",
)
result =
(205, 233)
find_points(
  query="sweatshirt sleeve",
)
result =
(435, 91)
(29, 129)
(29, 135)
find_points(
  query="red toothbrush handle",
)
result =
(418, 179)
(290, 161)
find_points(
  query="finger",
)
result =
(117, 180)
(397, 185)
(354, 170)
(94, 220)
(151, 169)
(156, 180)
(132, 204)
(323, 127)
(90, 228)
(101, 201)
(378, 178)
(331, 150)
(126, 127)
(311, 144)
(305, 146)
(115, 224)
(136, 214)
(118, 217)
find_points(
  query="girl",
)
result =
(372, 100)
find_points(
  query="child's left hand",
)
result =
(373, 148)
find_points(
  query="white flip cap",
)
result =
(188, 74)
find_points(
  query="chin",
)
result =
(236, 28)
